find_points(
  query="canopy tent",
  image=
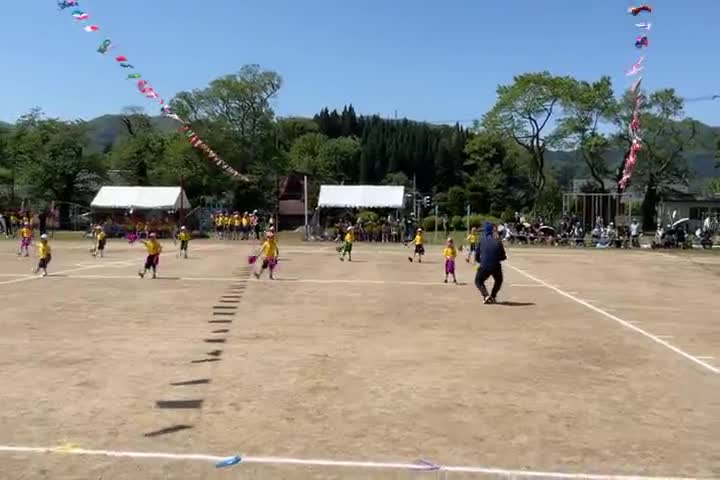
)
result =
(361, 196)
(141, 198)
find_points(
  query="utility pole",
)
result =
(182, 200)
(414, 196)
(305, 199)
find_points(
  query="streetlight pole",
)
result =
(414, 196)
(182, 200)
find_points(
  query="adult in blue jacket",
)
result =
(489, 255)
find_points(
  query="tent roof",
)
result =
(150, 198)
(361, 196)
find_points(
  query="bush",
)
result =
(508, 215)
(456, 200)
(428, 224)
(457, 223)
(478, 221)
(366, 216)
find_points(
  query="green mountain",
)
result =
(701, 158)
(107, 130)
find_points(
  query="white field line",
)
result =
(326, 463)
(622, 322)
(28, 278)
(280, 280)
(655, 308)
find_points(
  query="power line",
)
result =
(702, 99)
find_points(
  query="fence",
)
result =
(611, 207)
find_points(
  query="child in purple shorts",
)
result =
(450, 253)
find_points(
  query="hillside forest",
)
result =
(542, 132)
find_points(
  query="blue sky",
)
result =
(432, 60)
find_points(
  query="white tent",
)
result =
(141, 198)
(361, 196)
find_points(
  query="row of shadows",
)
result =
(222, 318)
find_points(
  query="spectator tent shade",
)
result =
(361, 196)
(141, 198)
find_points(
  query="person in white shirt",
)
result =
(635, 233)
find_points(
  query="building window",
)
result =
(697, 213)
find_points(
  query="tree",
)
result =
(666, 136)
(496, 181)
(397, 178)
(522, 112)
(584, 108)
(292, 128)
(305, 157)
(235, 115)
(52, 159)
(456, 201)
(342, 155)
(713, 185)
(7, 171)
(141, 149)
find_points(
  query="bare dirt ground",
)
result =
(600, 362)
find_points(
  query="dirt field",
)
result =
(603, 362)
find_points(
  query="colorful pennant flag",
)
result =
(105, 46)
(634, 127)
(149, 92)
(67, 4)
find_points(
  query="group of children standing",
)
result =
(449, 253)
(236, 226)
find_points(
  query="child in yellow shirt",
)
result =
(472, 240)
(347, 245)
(450, 253)
(419, 242)
(44, 255)
(270, 251)
(184, 238)
(26, 234)
(100, 240)
(153, 255)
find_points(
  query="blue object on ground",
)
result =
(229, 462)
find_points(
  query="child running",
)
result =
(347, 245)
(44, 255)
(450, 253)
(25, 240)
(184, 238)
(472, 240)
(100, 240)
(270, 251)
(419, 241)
(153, 255)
